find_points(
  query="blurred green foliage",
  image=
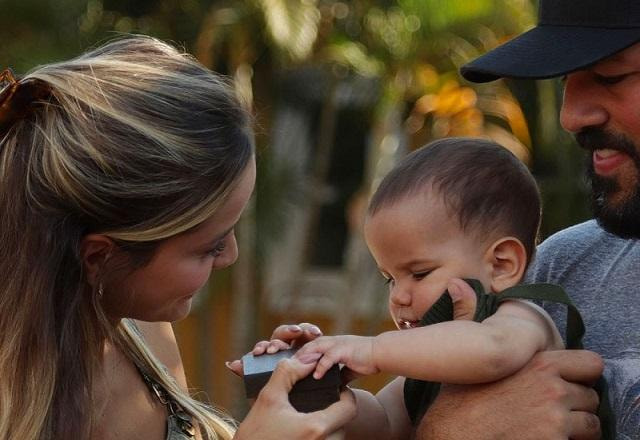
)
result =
(413, 46)
(400, 58)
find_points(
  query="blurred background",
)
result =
(341, 90)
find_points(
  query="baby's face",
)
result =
(418, 248)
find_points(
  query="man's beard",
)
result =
(623, 218)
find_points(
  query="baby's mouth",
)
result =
(405, 324)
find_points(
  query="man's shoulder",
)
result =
(583, 233)
(582, 249)
(581, 239)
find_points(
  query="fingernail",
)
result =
(315, 331)
(294, 328)
(309, 358)
(272, 349)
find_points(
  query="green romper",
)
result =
(418, 394)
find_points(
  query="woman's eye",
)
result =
(420, 275)
(216, 251)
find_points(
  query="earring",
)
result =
(100, 291)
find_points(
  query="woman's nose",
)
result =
(229, 256)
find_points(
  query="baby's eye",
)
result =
(387, 279)
(420, 275)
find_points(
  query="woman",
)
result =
(122, 175)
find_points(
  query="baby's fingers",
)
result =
(324, 364)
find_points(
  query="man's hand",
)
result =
(548, 399)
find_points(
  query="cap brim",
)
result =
(548, 51)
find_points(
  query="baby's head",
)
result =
(456, 208)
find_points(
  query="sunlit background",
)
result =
(341, 90)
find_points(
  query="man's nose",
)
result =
(583, 105)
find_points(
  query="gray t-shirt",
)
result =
(601, 273)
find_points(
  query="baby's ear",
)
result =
(508, 259)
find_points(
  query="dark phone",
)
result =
(307, 395)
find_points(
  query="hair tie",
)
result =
(18, 97)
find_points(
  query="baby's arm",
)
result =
(462, 352)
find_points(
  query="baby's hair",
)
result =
(484, 186)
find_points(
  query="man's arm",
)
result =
(544, 400)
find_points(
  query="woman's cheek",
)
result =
(200, 275)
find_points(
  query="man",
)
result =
(595, 45)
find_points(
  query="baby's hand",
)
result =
(355, 352)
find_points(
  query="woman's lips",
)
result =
(606, 161)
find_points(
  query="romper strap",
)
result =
(550, 293)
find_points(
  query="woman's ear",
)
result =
(508, 260)
(95, 250)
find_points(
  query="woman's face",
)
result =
(163, 289)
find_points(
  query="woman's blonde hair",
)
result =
(136, 141)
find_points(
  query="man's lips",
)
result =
(606, 161)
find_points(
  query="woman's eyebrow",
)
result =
(221, 236)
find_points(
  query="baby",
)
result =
(457, 208)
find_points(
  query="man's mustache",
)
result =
(595, 138)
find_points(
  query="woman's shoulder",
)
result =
(161, 340)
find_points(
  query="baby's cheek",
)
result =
(393, 314)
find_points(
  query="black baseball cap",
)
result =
(570, 35)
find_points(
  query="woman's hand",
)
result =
(283, 337)
(293, 336)
(273, 418)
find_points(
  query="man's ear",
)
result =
(95, 250)
(508, 260)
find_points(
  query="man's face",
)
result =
(601, 107)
